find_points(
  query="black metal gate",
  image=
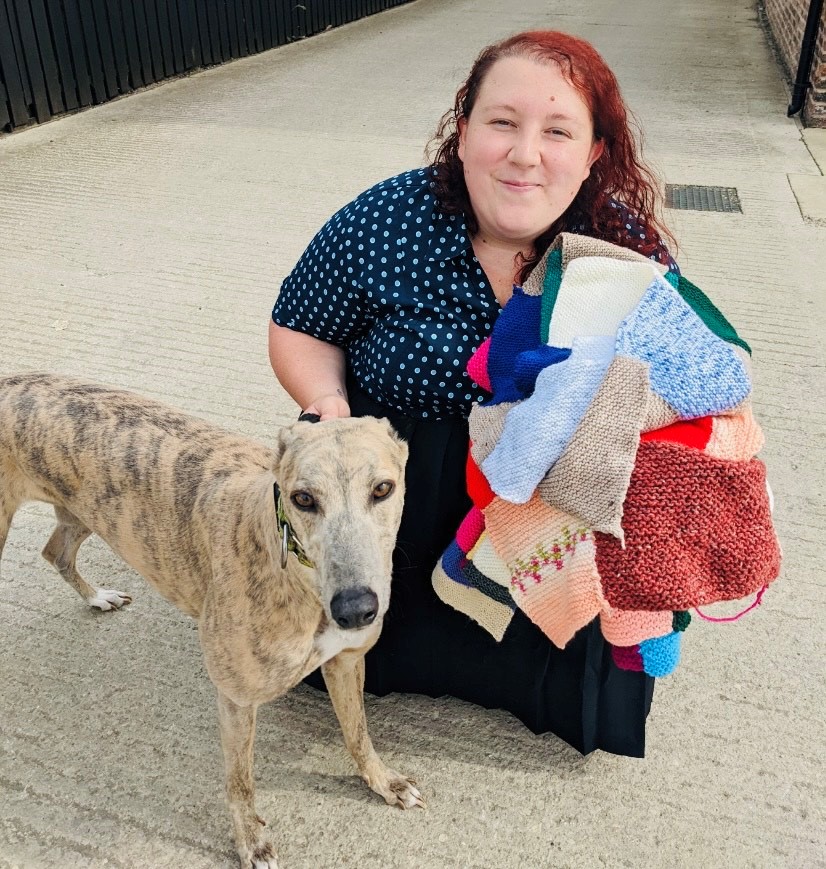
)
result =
(61, 55)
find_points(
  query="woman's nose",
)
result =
(526, 150)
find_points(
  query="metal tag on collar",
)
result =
(289, 542)
(285, 543)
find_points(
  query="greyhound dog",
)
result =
(282, 555)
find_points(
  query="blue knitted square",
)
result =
(696, 372)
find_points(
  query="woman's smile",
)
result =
(519, 186)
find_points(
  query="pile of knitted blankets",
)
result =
(613, 471)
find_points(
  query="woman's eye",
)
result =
(383, 490)
(558, 132)
(501, 122)
(303, 500)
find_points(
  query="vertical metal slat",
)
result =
(30, 61)
(68, 79)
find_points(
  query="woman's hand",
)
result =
(328, 406)
(312, 371)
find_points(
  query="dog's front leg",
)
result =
(237, 725)
(344, 676)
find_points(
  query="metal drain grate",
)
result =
(692, 197)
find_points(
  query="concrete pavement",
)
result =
(142, 243)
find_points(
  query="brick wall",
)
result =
(787, 19)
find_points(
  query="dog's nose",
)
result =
(354, 608)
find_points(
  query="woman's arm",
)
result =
(312, 371)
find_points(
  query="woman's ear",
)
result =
(597, 150)
(461, 128)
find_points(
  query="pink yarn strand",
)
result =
(757, 601)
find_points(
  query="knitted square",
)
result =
(696, 372)
(735, 435)
(487, 586)
(471, 529)
(706, 310)
(551, 558)
(596, 295)
(477, 366)
(591, 477)
(485, 426)
(697, 530)
(478, 487)
(516, 329)
(486, 558)
(689, 432)
(530, 363)
(629, 627)
(661, 655)
(658, 413)
(627, 658)
(574, 246)
(492, 616)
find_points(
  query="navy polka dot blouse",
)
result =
(395, 282)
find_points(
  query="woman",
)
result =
(383, 310)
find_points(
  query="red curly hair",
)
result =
(618, 174)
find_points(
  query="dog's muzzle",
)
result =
(354, 608)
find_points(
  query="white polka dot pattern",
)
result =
(395, 282)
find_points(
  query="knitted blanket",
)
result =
(613, 470)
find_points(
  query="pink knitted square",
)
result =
(629, 627)
(551, 557)
(472, 526)
(477, 366)
(735, 436)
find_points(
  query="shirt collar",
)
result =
(453, 229)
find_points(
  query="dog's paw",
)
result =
(261, 855)
(398, 790)
(106, 599)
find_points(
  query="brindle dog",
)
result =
(192, 508)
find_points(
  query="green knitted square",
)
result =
(681, 620)
(706, 311)
(550, 290)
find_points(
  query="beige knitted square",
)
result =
(493, 616)
(658, 413)
(591, 477)
(488, 562)
(485, 426)
(574, 246)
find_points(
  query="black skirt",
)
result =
(427, 647)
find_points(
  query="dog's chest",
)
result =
(333, 640)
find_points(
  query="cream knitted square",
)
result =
(596, 294)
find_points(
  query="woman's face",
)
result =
(527, 147)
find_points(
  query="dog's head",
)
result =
(342, 490)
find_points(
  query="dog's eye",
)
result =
(383, 490)
(303, 500)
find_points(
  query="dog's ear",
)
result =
(398, 440)
(287, 434)
(283, 440)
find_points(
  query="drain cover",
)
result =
(692, 197)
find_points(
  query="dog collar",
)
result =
(289, 542)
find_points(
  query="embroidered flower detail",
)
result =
(528, 571)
